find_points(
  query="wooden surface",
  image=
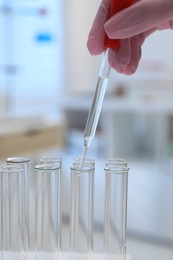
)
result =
(15, 140)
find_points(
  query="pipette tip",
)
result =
(83, 157)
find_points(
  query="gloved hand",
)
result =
(132, 25)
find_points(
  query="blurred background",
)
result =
(47, 79)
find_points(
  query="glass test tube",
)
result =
(116, 187)
(11, 211)
(117, 162)
(46, 210)
(56, 161)
(53, 160)
(88, 162)
(23, 162)
(81, 225)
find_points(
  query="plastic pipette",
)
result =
(94, 113)
(96, 106)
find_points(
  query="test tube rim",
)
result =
(14, 169)
(17, 160)
(113, 169)
(46, 167)
(88, 161)
(116, 161)
(85, 169)
(51, 158)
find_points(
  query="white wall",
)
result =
(81, 68)
(156, 65)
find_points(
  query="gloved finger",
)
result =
(135, 56)
(126, 23)
(96, 37)
(126, 61)
(121, 58)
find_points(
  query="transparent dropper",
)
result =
(96, 106)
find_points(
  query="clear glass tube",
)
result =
(46, 210)
(95, 109)
(12, 211)
(82, 203)
(23, 162)
(116, 187)
(117, 162)
(53, 160)
(88, 162)
(56, 161)
(97, 102)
